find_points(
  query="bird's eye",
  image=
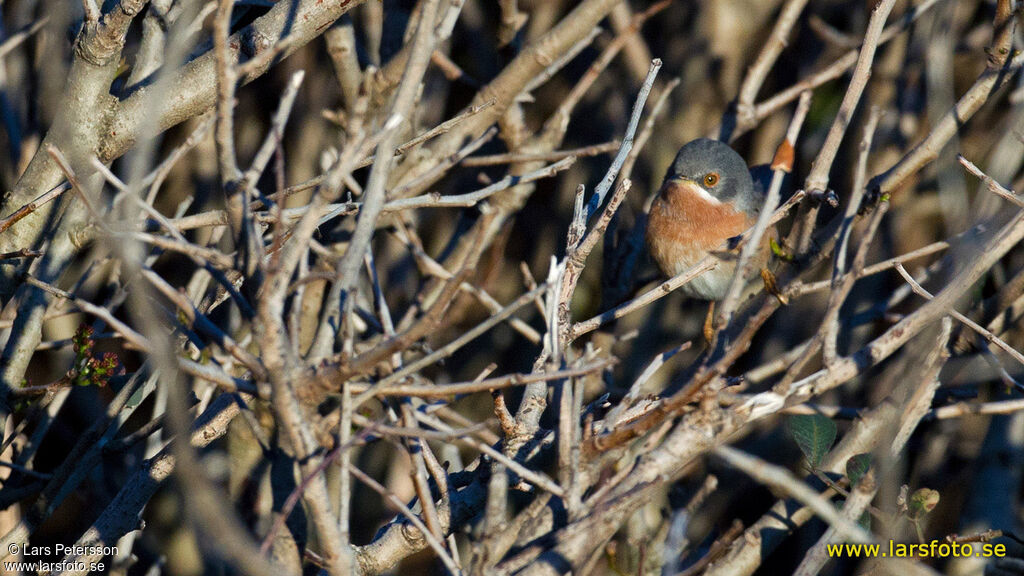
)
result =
(711, 179)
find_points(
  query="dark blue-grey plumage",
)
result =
(704, 156)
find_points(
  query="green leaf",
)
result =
(857, 466)
(780, 252)
(814, 434)
(922, 501)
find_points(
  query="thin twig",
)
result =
(988, 336)
(992, 185)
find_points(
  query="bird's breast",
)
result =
(685, 225)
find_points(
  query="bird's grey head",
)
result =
(719, 170)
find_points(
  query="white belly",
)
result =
(711, 285)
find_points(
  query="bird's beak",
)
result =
(675, 182)
(682, 186)
(679, 180)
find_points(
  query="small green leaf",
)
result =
(780, 252)
(857, 466)
(922, 501)
(814, 434)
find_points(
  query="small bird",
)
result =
(708, 196)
